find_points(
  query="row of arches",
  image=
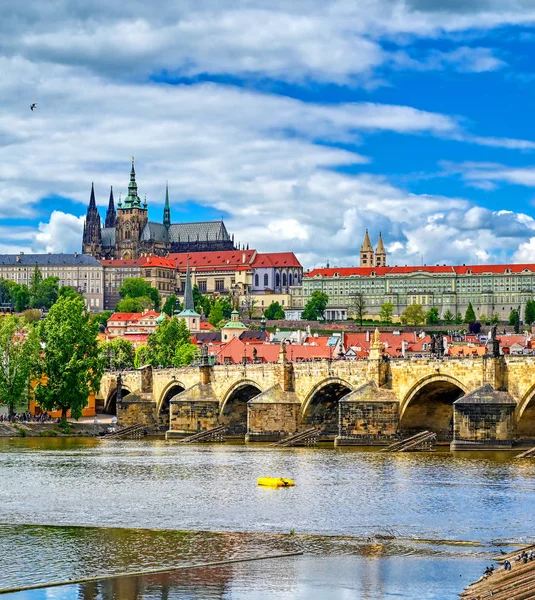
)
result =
(429, 405)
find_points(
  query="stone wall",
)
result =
(192, 416)
(136, 412)
(367, 422)
(483, 422)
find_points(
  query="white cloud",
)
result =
(62, 233)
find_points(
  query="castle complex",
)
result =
(370, 257)
(128, 233)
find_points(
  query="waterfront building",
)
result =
(157, 271)
(492, 289)
(128, 233)
(82, 272)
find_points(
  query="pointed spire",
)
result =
(380, 245)
(188, 294)
(132, 200)
(167, 208)
(92, 203)
(110, 213)
(367, 245)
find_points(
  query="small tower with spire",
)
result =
(92, 238)
(189, 314)
(380, 253)
(367, 255)
(111, 215)
(167, 208)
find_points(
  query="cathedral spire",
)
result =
(110, 213)
(92, 237)
(167, 208)
(188, 292)
(92, 203)
(132, 200)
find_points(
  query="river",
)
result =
(371, 525)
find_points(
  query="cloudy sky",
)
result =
(302, 123)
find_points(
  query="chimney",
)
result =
(415, 337)
(367, 336)
(76, 255)
(243, 258)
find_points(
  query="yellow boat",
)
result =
(275, 482)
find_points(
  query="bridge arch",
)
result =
(320, 408)
(110, 406)
(163, 406)
(233, 411)
(429, 405)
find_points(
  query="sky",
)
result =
(302, 123)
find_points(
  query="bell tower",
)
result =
(367, 255)
(132, 216)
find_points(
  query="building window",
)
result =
(290, 279)
(266, 280)
(284, 280)
(202, 285)
(277, 280)
(219, 285)
(147, 273)
(256, 280)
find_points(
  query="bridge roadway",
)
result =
(472, 401)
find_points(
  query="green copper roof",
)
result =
(235, 325)
(133, 200)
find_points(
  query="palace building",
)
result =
(128, 234)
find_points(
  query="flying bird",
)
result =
(32, 106)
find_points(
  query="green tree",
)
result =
(315, 307)
(32, 315)
(198, 299)
(67, 291)
(448, 317)
(529, 312)
(170, 305)
(387, 310)
(432, 317)
(249, 305)
(71, 361)
(413, 315)
(43, 292)
(164, 344)
(5, 292)
(35, 283)
(514, 319)
(228, 307)
(274, 312)
(137, 287)
(20, 295)
(495, 319)
(141, 357)
(458, 319)
(207, 304)
(134, 305)
(102, 317)
(470, 316)
(216, 314)
(119, 353)
(18, 352)
(484, 319)
(358, 307)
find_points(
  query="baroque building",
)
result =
(128, 234)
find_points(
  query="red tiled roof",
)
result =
(235, 350)
(452, 269)
(276, 259)
(143, 261)
(206, 261)
(205, 326)
(121, 316)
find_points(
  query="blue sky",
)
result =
(302, 124)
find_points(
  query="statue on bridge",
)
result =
(119, 385)
(437, 345)
(493, 343)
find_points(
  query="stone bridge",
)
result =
(479, 401)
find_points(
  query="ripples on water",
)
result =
(350, 494)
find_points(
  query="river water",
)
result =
(372, 526)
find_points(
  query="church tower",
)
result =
(132, 216)
(92, 239)
(380, 253)
(110, 213)
(167, 209)
(189, 314)
(367, 255)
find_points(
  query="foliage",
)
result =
(119, 353)
(458, 319)
(470, 315)
(21, 296)
(413, 315)
(137, 287)
(494, 319)
(71, 361)
(5, 292)
(102, 317)
(274, 312)
(315, 307)
(43, 292)
(432, 317)
(32, 315)
(18, 351)
(67, 291)
(134, 305)
(529, 312)
(141, 357)
(216, 314)
(170, 305)
(387, 310)
(198, 299)
(484, 320)
(514, 319)
(448, 317)
(358, 307)
(249, 305)
(168, 345)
